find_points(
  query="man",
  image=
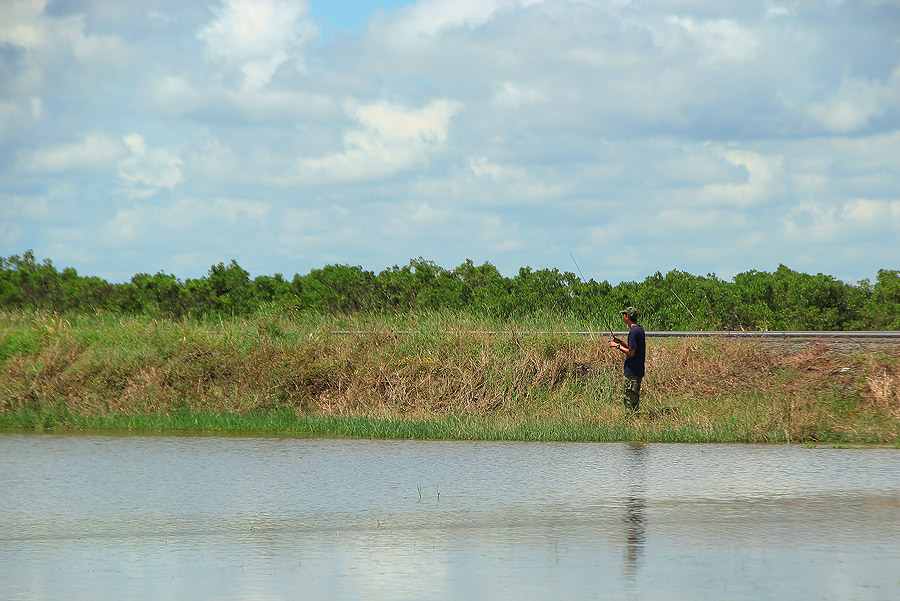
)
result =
(635, 351)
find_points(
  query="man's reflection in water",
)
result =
(634, 511)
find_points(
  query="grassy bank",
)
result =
(431, 377)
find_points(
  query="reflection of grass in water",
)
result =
(443, 377)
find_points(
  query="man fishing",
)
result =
(635, 351)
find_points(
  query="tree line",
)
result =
(753, 300)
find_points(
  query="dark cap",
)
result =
(631, 312)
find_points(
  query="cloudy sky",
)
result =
(637, 135)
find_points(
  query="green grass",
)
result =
(293, 424)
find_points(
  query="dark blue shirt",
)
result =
(634, 366)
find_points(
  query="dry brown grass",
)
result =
(705, 368)
(883, 381)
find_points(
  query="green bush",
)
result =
(754, 300)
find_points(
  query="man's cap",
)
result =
(631, 312)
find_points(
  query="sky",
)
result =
(634, 136)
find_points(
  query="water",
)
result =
(100, 517)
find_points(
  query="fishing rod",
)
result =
(682, 302)
(605, 320)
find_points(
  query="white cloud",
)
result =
(322, 230)
(19, 22)
(101, 52)
(126, 228)
(52, 41)
(856, 103)
(220, 221)
(93, 151)
(427, 18)
(211, 158)
(872, 213)
(763, 180)
(719, 40)
(189, 213)
(424, 213)
(701, 221)
(176, 95)
(238, 212)
(11, 235)
(257, 37)
(10, 117)
(511, 95)
(834, 168)
(147, 169)
(37, 108)
(498, 235)
(489, 182)
(26, 208)
(305, 221)
(390, 139)
(859, 220)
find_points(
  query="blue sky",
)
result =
(348, 16)
(709, 137)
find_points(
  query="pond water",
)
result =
(164, 517)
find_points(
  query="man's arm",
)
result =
(618, 344)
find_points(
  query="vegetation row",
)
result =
(754, 300)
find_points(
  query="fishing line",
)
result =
(605, 321)
(682, 302)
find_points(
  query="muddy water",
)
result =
(98, 517)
